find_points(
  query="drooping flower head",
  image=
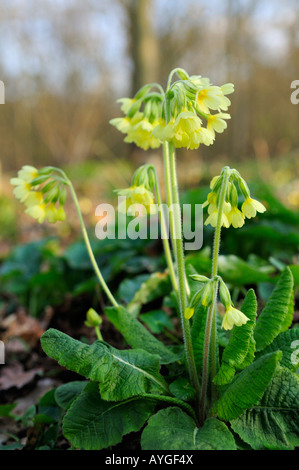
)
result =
(142, 114)
(188, 114)
(139, 197)
(231, 214)
(43, 195)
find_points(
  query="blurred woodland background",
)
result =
(66, 62)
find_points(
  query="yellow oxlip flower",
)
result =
(23, 182)
(211, 199)
(233, 317)
(136, 197)
(209, 98)
(60, 214)
(141, 134)
(28, 173)
(226, 89)
(212, 219)
(34, 198)
(122, 124)
(251, 206)
(22, 188)
(184, 131)
(217, 123)
(38, 212)
(235, 217)
(211, 202)
(139, 130)
(126, 104)
(54, 214)
(226, 208)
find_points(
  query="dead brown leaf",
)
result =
(23, 326)
(15, 376)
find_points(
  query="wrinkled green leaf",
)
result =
(288, 343)
(239, 343)
(66, 393)
(121, 374)
(137, 336)
(274, 422)
(273, 317)
(247, 388)
(182, 389)
(172, 429)
(93, 424)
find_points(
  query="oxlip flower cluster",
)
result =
(139, 197)
(42, 194)
(231, 214)
(142, 115)
(188, 114)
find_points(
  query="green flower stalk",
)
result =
(223, 211)
(189, 113)
(44, 194)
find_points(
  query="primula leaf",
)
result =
(172, 429)
(182, 389)
(290, 315)
(288, 343)
(239, 343)
(157, 321)
(276, 314)
(274, 422)
(93, 424)
(121, 374)
(137, 336)
(248, 387)
(66, 393)
(157, 285)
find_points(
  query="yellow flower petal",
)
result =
(233, 317)
(251, 206)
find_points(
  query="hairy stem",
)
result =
(177, 233)
(164, 232)
(210, 342)
(88, 246)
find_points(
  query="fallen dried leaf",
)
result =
(23, 326)
(15, 376)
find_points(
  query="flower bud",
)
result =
(142, 92)
(199, 278)
(224, 294)
(93, 318)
